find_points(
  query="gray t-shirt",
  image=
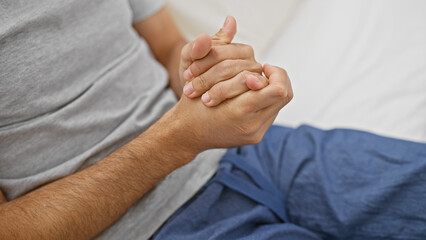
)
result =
(76, 83)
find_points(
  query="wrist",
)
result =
(173, 64)
(170, 137)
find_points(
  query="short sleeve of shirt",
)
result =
(144, 8)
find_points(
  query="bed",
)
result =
(353, 64)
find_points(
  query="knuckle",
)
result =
(215, 53)
(249, 50)
(217, 92)
(283, 72)
(281, 93)
(226, 68)
(258, 68)
(244, 74)
(200, 83)
(255, 67)
(241, 79)
(196, 68)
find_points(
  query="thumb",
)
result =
(256, 82)
(226, 33)
(278, 76)
(270, 71)
(195, 50)
(201, 47)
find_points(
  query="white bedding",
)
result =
(353, 64)
(195, 17)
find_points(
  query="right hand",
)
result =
(239, 121)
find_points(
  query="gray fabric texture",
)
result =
(76, 83)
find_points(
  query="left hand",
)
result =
(218, 70)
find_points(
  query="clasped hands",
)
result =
(226, 100)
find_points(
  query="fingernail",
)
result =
(188, 89)
(206, 97)
(254, 79)
(188, 74)
(226, 21)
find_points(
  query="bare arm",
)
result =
(166, 43)
(2, 198)
(82, 205)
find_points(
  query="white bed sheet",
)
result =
(258, 21)
(356, 64)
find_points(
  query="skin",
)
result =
(2, 198)
(82, 205)
(220, 69)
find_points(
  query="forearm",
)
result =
(2, 198)
(82, 205)
(166, 42)
(172, 66)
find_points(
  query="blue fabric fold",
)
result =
(308, 183)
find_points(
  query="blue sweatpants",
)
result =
(306, 183)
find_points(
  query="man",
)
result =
(77, 83)
(78, 88)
